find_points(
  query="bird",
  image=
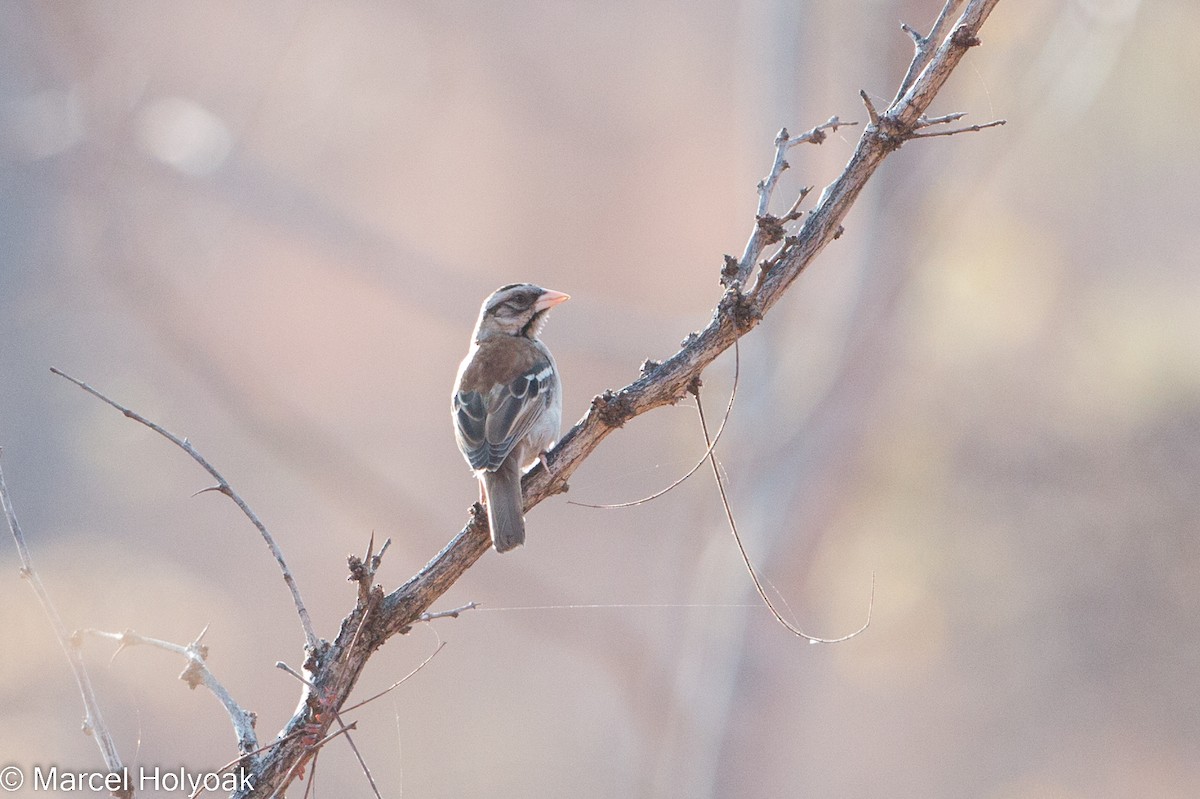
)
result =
(507, 403)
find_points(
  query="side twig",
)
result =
(310, 637)
(926, 46)
(196, 673)
(768, 229)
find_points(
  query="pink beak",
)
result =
(549, 299)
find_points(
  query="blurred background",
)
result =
(269, 227)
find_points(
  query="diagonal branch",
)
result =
(339, 664)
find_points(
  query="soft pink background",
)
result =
(268, 226)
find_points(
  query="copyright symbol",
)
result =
(11, 778)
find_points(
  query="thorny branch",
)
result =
(336, 666)
(196, 673)
(738, 311)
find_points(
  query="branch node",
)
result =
(772, 228)
(963, 37)
(741, 308)
(613, 408)
(192, 675)
(729, 271)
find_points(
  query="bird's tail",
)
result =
(503, 489)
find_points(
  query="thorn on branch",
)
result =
(871, 112)
(837, 233)
(917, 38)
(448, 614)
(648, 365)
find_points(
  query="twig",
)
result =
(969, 129)
(311, 788)
(310, 638)
(925, 46)
(398, 682)
(196, 673)
(737, 365)
(453, 613)
(766, 230)
(758, 586)
(93, 723)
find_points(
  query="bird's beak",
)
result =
(549, 299)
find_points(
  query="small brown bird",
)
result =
(508, 402)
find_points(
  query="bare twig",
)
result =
(767, 229)
(453, 613)
(310, 638)
(969, 129)
(758, 586)
(925, 46)
(93, 722)
(737, 365)
(398, 682)
(196, 673)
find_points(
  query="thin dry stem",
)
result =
(754, 578)
(93, 722)
(737, 366)
(310, 637)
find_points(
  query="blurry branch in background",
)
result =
(195, 673)
(93, 722)
(310, 637)
(333, 668)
